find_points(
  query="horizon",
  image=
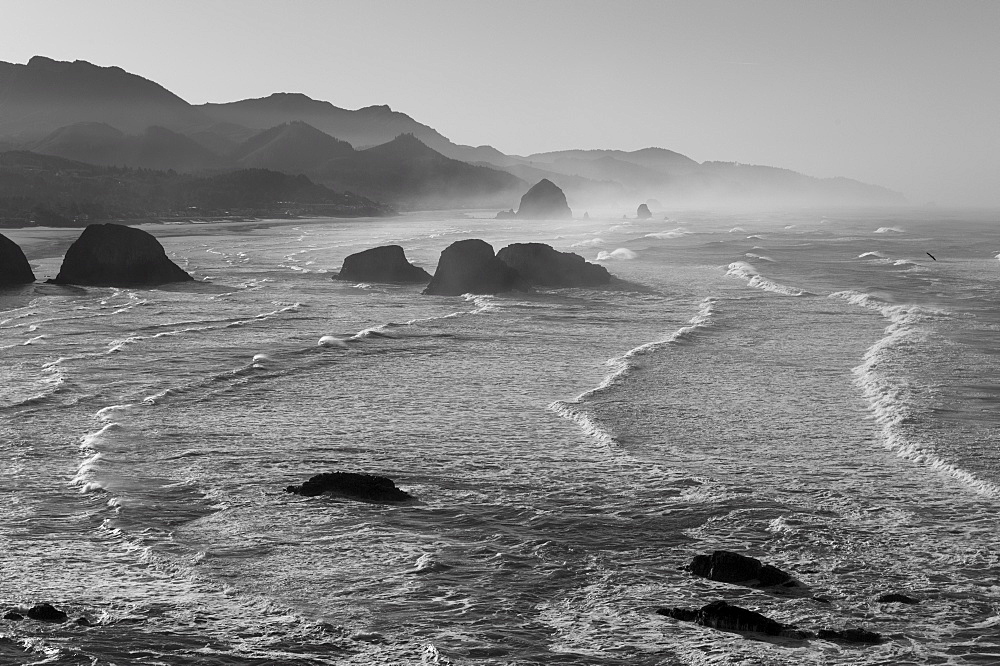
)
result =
(892, 94)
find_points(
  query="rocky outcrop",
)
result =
(720, 615)
(113, 255)
(46, 613)
(896, 598)
(726, 617)
(360, 486)
(506, 215)
(643, 212)
(728, 567)
(541, 265)
(544, 201)
(381, 264)
(14, 267)
(470, 266)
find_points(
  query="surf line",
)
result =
(622, 366)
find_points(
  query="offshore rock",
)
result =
(728, 567)
(506, 215)
(853, 635)
(361, 486)
(720, 615)
(13, 616)
(14, 267)
(381, 264)
(470, 266)
(542, 265)
(643, 212)
(896, 598)
(544, 201)
(46, 613)
(113, 255)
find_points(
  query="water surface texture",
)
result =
(812, 390)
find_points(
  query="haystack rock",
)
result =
(381, 264)
(643, 212)
(542, 265)
(471, 267)
(14, 267)
(544, 201)
(361, 486)
(113, 255)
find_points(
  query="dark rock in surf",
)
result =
(721, 615)
(542, 265)
(14, 267)
(381, 264)
(84, 622)
(643, 213)
(853, 635)
(113, 255)
(728, 567)
(46, 613)
(13, 616)
(896, 598)
(544, 201)
(361, 486)
(470, 266)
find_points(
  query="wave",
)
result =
(872, 255)
(889, 230)
(759, 257)
(622, 366)
(666, 235)
(892, 400)
(593, 242)
(742, 269)
(737, 230)
(622, 253)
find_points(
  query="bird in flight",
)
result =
(931, 256)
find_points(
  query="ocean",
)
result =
(811, 389)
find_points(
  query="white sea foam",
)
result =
(759, 257)
(737, 230)
(594, 242)
(872, 255)
(666, 235)
(331, 341)
(573, 410)
(742, 269)
(889, 230)
(893, 400)
(620, 254)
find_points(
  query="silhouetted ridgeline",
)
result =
(50, 191)
(107, 116)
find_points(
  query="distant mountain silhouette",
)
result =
(155, 148)
(294, 147)
(45, 190)
(108, 116)
(45, 94)
(406, 171)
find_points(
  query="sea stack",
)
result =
(470, 266)
(381, 264)
(544, 201)
(14, 267)
(643, 213)
(542, 265)
(113, 255)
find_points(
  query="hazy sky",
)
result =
(904, 94)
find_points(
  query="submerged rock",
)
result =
(14, 266)
(113, 255)
(853, 635)
(381, 264)
(721, 615)
(470, 266)
(362, 486)
(540, 264)
(896, 598)
(728, 567)
(643, 212)
(544, 201)
(46, 613)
